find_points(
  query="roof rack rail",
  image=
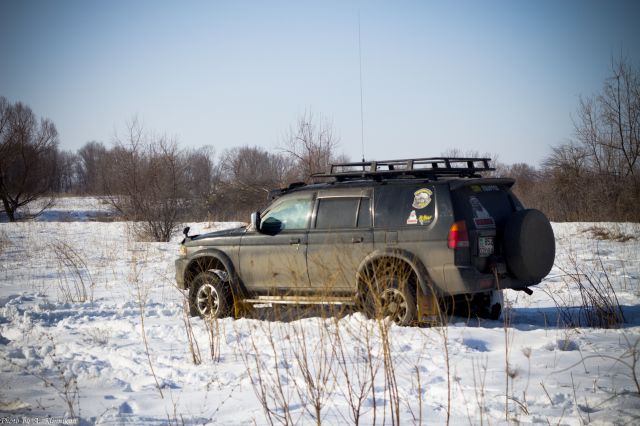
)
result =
(275, 193)
(432, 168)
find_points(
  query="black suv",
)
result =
(402, 239)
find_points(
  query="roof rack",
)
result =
(412, 168)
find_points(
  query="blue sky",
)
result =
(500, 77)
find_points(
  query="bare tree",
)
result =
(203, 182)
(92, 167)
(312, 143)
(145, 181)
(619, 118)
(28, 148)
(248, 174)
(527, 183)
(66, 178)
(596, 176)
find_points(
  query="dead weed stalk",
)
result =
(75, 283)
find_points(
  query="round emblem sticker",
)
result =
(421, 198)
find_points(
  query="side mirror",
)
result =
(185, 231)
(255, 221)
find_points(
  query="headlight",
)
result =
(183, 250)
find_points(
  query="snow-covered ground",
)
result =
(58, 356)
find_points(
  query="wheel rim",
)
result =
(394, 304)
(207, 300)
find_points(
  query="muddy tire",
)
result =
(529, 245)
(209, 296)
(391, 294)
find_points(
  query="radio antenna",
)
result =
(361, 103)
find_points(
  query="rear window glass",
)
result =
(410, 205)
(484, 206)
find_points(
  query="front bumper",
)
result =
(181, 267)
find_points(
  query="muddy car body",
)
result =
(407, 236)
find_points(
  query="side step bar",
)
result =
(303, 300)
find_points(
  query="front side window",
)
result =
(290, 214)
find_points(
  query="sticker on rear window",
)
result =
(425, 219)
(489, 188)
(421, 198)
(413, 218)
(485, 222)
(481, 217)
(485, 188)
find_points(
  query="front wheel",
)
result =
(209, 296)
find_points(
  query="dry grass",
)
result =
(4, 241)
(597, 304)
(141, 294)
(614, 233)
(75, 283)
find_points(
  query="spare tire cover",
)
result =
(529, 245)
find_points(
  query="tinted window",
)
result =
(289, 214)
(404, 205)
(485, 206)
(337, 213)
(364, 214)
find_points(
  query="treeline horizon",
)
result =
(149, 178)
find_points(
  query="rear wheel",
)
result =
(389, 292)
(491, 306)
(480, 305)
(398, 304)
(209, 296)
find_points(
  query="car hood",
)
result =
(224, 233)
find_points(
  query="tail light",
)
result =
(458, 235)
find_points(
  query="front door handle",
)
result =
(356, 240)
(294, 241)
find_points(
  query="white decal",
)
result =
(421, 198)
(413, 219)
(481, 216)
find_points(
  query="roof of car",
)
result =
(432, 168)
(368, 173)
(453, 182)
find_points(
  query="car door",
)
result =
(339, 239)
(273, 259)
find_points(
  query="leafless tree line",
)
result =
(595, 176)
(150, 179)
(28, 156)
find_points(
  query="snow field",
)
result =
(58, 355)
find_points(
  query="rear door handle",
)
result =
(356, 240)
(294, 241)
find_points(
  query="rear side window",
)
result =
(343, 212)
(364, 214)
(404, 206)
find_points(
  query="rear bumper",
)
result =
(181, 267)
(461, 280)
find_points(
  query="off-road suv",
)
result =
(401, 238)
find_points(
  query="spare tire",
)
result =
(529, 246)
